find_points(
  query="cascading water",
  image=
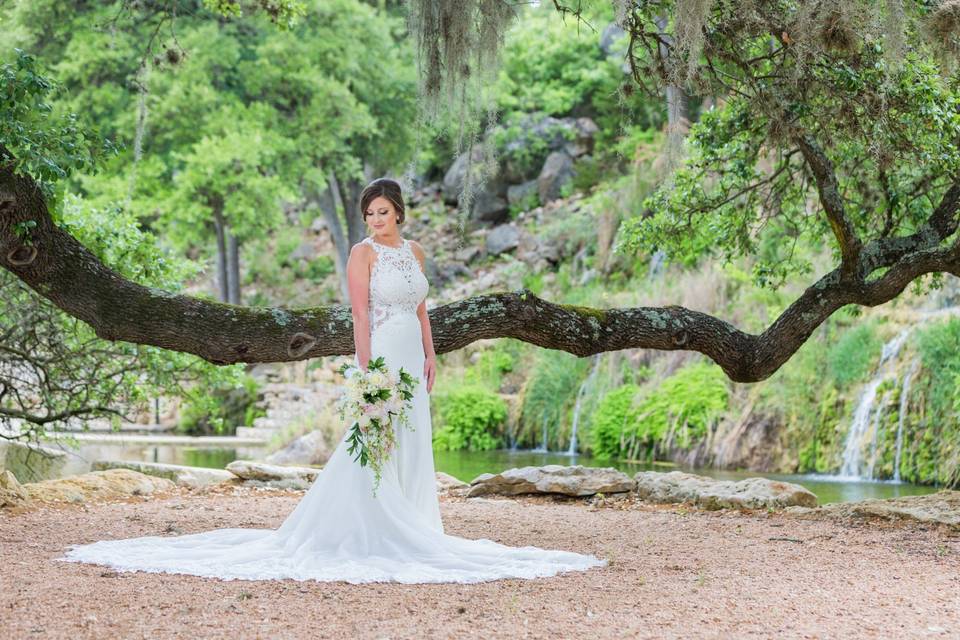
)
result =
(572, 450)
(865, 417)
(904, 400)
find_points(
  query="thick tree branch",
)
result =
(58, 267)
(832, 202)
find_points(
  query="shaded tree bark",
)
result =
(233, 268)
(222, 277)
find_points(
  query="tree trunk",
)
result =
(233, 268)
(222, 279)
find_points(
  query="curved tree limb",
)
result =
(58, 267)
(832, 202)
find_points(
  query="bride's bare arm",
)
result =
(430, 357)
(358, 286)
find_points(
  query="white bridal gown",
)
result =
(339, 530)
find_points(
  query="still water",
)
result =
(467, 465)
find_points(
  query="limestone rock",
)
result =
(557, 171)
(310, 448)
(942, 507)
(754, 493)
(180, 474)
(11, 492)
(572, 480)
(502, 238)
(447, 483)
(272, 475)
(97, 485)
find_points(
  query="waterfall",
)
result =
(865, 416)
(572, 450)
(904, 401)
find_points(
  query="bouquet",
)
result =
(373, 402)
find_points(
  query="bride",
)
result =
(339, 530)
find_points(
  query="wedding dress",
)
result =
(340, 531)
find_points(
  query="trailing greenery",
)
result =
(631, 424)
(470, 418)
(221, 409)
(854, 355)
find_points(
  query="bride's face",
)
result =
(382, 217)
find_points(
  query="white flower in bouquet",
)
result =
(373, 402)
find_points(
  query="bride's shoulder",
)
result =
(361, 251)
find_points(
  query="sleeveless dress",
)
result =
(340, 531)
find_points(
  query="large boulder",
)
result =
(503, 238)
(11, 492)
(573, 480)
(446, 483)
(942, 507)
(178, 473)
(557, 171)
(97, 485)
(273, 475)
(310, 448)
(710, 493)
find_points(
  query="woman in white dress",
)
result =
(340, 530)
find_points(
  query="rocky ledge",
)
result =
(940, 508)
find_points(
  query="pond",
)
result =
(467, 465)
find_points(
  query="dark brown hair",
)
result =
(387, 188)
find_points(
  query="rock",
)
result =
(754, 493)
(502, 239)
(467, 254)
(260, 474)
(573, 480)
(30, 462)
(178, 473)
(11, 492)
(557, 171)
(97, 485)
(447, 483)
(533, 250)
(517, 193)
(310, 448)
(586, 132)
(942, 507)
(489, 205)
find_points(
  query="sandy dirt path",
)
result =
(673, 573)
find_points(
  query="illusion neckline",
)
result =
(403, 243)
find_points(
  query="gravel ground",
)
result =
(673, 573)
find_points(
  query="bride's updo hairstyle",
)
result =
(387, 188)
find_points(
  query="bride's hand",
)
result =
(429, 370)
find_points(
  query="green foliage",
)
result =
(546, 396)
(221, 409)
(854, 355)
(491, 365)
(471, 418)
(41, 142)
(677, 413)
(614, 413)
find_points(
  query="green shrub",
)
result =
(220, 410)
(613, 413)
(470, 418)
(677, 413)
(854, 354)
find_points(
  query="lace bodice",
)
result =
(397, 283)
